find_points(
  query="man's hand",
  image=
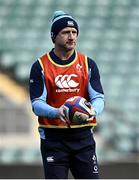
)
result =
(63, 115)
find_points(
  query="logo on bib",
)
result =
(67, 83)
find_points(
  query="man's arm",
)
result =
(95, 89)
(38, 93)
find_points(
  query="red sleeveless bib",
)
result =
(63, 82)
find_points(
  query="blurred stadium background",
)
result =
(109, 33)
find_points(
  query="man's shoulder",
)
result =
(43, 56)
(80, 53)
(91, 62)
(36, 65)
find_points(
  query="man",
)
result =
(65, 148)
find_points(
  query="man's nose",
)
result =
(71, 35)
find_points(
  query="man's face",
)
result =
(66, 38)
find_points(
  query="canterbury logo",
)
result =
(66, 81)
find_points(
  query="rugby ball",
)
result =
(77, 109)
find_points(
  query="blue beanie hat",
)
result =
(60, 21)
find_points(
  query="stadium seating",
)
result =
(108, 33)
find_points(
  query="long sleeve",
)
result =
(95, 89)
(38, 93)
